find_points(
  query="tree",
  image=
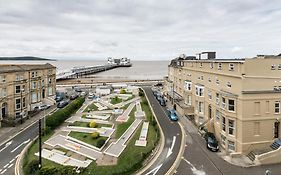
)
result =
(100, 143)
(95, 135)
(93, 124)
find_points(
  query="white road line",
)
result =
(25, 142)
(12, 160)
(155, 170)
(3, 171)
(10, 166)
(6, 166)
(17, 156)
(0, 170)
(194, 170)
(170, 150)
(7, 144)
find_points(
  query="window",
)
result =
(199, 91)
(231, 105)
(18, 77)
(223, 123)
(188, 85)
(33, 85)
(17, 89)
(18, 103)
(256, 128)
(218, 114)
(202, 78)
(228, 84)
(32, 74)
(277, 107)
(223, 139)
(231, 145)
(50, 80)
(50, 90)
(23, 102)
(231, 127)
(3, 78)
(23, 88)
(43, 83)
(201, 64)
(188, 100)
(4, 92)
(217, 98)
(223, 102)
(211, 65)
(201, 120)
(257, 108)
(209, 79)
(210, 95)
(219, 66)
(279, 67)
(201, 107)
(273, 67)
(34, 97)
(217, 81)
(231, 67)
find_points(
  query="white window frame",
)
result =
(223, 139)
(210, 94)
(231, 128)
(231, 105)
(273, 67)
(223, 102)
(17, 105)
(218, 116)
(188, 85)
(34, 85)
(231, 147)
(279, 66)
(217, 98)
(199, 91)
(17, 91)
(201, 107)
(223, 123)
(277, 108)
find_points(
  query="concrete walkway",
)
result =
(103, 131)
(63, 159)
(143, 135)
(116, 148)
(62, 141)
(100, 117)
(125, 116)
(120, 105)
(78, 118)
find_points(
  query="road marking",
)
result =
(25, 142)
(12, 160)
(194, 169)
(155, 170)
(6, 166)
(172, 146)
(3, 171)
(7, 144)
(17, 156)
(10, 166)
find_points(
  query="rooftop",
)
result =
(24, 67)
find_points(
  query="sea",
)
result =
(140, 70)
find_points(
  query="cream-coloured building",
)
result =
(239, 100)
(22, 87)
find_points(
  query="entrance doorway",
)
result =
(276, 129)
(4, 110)
(43, 93)
(210, 111)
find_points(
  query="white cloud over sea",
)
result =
(143, 29)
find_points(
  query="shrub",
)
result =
(49, 170)
(122, 91)
(100, 143)
(33, 166)
(95, 135)
(92, 124)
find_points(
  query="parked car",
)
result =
(62, 104)
(58, 98)
(77, 89)
(162, 102)
(173, 115)
(73, 96)
(42, 107)
(211, 142)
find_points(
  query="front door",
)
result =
(276, 129)
(3, 112)
(43, 93)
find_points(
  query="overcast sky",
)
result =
(143, 29)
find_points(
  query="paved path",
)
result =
(103, 131)
(63, 159)
(143, 135)
(125, 116)
(120, 105)
(100, 117)
(116, 148)
(62, 141)
(78, 118)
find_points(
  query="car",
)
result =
(173, 115)
(62, 104)
(58, 98)
(211, 142)
(77, 89)
(73, 96)
(161, 101)
(42, 107)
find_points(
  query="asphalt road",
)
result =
(198, 160)
(172, 138)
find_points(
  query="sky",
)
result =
(140, 30)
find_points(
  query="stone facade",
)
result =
(236, 99)
(22, 87)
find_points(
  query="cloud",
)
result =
(147, 29)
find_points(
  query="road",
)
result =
(172, 138)
(197, 160)
(10, 150)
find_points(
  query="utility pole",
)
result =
(40, 145)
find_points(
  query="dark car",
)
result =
(173, 115)
(161, 101)
(62, 104)
(58, 98)
(211, 142)
(73, 96)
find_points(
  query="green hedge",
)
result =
(57, 118)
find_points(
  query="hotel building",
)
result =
(22, 87)
(236, 99)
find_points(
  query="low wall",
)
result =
(271, 157)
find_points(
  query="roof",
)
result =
(6, 68)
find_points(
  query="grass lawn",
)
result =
(116, 100)
(86, 124)
(122, 127)
(86, 137)
(91, 107)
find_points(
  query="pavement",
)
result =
(14, 139)
(198, 160)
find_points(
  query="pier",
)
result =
(79, 72)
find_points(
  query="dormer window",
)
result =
(279, 67)
(211, 65)
(219, 66)
(228, 84)
(273, 67)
